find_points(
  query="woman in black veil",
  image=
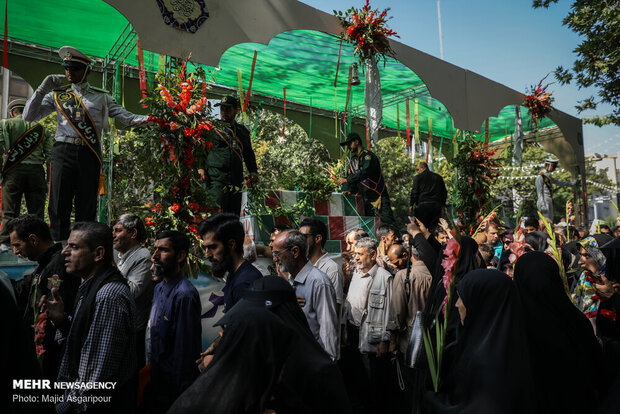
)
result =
(558, 336)
(491, 373)
(311, 381)
(246, 368)
(307, 381)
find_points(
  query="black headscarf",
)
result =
(311, 382)
(611, 250)
(492, 373)
(467, 262)
(560, 338)
(538, 240)
(246, 368)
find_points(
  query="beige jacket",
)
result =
(403, 311)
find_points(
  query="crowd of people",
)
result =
(524, 332)
(316, 336)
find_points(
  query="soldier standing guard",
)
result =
(25, 148)
(364, 176)
(82, 112)
(544, 188)
(225, 160)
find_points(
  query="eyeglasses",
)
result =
(308, 234)
(276, 253)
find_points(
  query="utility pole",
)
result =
(440, 32)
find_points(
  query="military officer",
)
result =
(364, 176)
(544, 188)
(231, 148)
(25, 148)
(82, 112)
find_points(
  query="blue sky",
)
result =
(505, 40)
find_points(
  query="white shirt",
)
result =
(99, 105)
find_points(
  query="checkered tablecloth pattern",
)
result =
(338, 213)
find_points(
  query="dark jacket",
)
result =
(428, 187)
(49, 273)
(368, 175)
(231, 148)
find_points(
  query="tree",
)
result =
(597, 64)
(289, 160)
(520, 181)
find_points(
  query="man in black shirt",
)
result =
(31, 238)
(428, 196)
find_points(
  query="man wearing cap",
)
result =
(544, 188)
(25, 148)
(364, 176)
(226, 158)
(82, 112)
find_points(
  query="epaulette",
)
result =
(94, 88)
(62, 88)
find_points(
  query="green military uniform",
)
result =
(231, 148)
(26, 178)
(364, 176)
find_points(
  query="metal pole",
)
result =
(440, 32)
(6, 74)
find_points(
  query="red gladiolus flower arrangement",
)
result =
(367, 30)
(538, 101)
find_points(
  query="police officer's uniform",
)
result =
(25, 148)
(82, 112)
(364, 177)
(231, 148)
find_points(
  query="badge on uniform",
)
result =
(367, 157)
(79, 115)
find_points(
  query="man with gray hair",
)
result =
(410, 289)
(368, 306)
(349, 264)
(290, 253)
(134, 262)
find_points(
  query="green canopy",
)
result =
(302, 61)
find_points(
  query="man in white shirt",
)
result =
(368, 306)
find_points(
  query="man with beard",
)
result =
(290, 253)
(175, 329)
(349, 264)
(222, 238)
(316, 235)
(30, 238)
(134, 262)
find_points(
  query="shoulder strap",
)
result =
(23, 147)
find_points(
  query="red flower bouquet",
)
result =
(367, 30)
(538, 101)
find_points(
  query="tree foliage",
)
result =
(597, 64)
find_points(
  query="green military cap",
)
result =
(73, 58)
(229, 100)
(350, 138)
(16, 103)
